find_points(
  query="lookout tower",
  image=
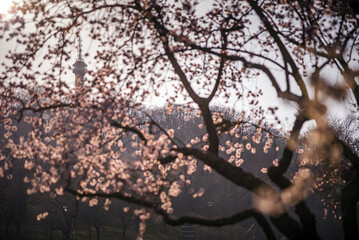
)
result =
(79, 66)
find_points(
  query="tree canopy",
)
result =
(99, 138)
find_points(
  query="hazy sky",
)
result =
(4, 5)
(269, 99)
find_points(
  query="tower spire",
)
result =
(79, 66)
(79, 49)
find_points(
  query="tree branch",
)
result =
(218, 222)
(349, 154)
(286, 56)
(130, 129)
(307, 218)
(202, 102)
(237, 175)
(282, 94)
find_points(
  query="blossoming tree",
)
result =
(97, 139)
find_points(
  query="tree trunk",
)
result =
(98, 232)
(350, 196)
(68, 230)
(89, 229)
(67, 234)
(124, 228)
(18, 231)
(125, 223)
(7, 229)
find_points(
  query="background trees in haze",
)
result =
(96, 142)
